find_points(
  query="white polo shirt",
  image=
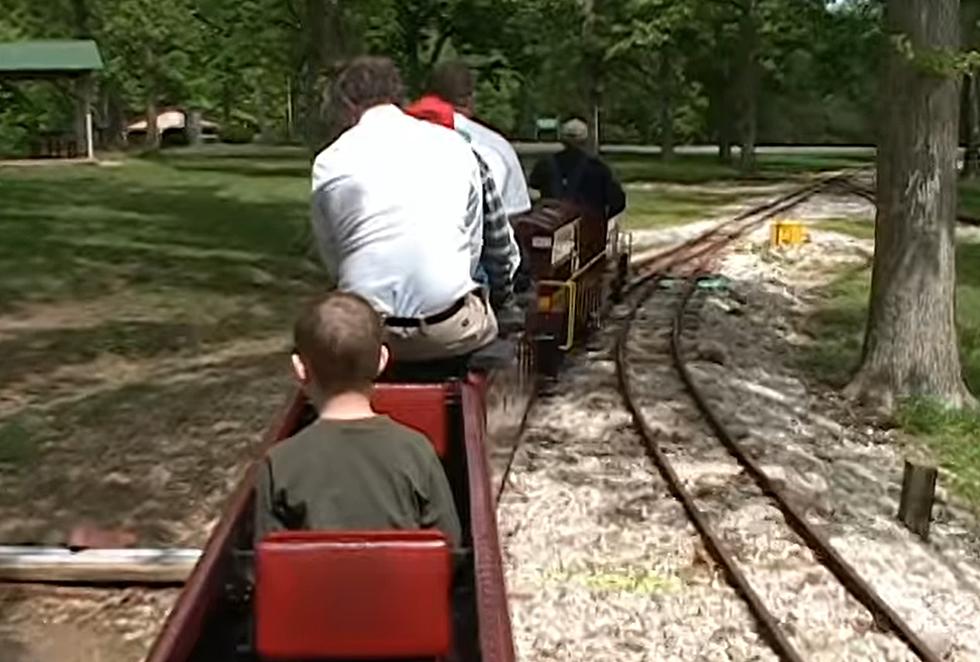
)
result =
(505, 166)
(397, 213)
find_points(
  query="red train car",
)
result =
(397, 595)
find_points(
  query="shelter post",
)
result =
(83, 116)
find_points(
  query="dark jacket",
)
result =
(574, 175)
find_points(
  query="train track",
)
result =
(699, 251)
(703, 247)
(686, 262)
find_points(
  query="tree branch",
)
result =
(439, 46)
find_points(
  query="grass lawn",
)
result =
(701, 168)
(144, 317)
(838, 326)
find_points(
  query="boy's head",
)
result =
(338, 345)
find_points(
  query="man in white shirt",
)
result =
(453, 82)
(397, 214)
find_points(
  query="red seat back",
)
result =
(344, 594)
(421, 407)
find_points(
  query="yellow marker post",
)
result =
(787, 233)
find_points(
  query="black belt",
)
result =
(430, 320)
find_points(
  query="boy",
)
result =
(351, 468)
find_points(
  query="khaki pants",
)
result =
(472, 327)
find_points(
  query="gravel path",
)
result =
(601, 561)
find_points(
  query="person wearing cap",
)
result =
(499, 246)
(398, 218)
(453, 83)
(574, 174)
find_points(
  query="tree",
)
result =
(153, 52)
(970, 109)
(910, 346)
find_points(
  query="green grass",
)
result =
(861, 228)
(664, 207)
(701, 168)
(951, 436)
(969, 191)
(838, 327)
(190, 250)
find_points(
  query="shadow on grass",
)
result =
(148, 457)
(91, 233)
(34, 351)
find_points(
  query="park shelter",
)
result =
(74, 60)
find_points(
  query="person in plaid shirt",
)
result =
(499, 246)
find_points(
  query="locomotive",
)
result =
(397, 595)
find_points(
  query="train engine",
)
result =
(578, 261)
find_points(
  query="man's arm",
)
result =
(615, 197)
(323, 234)
(499, 247)
(439, 511)
(540, 177)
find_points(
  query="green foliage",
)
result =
(237, 133)
(660, 67)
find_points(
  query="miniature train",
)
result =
(337, 595)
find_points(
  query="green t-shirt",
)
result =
(370, 473)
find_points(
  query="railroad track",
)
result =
(685, 263)
(698, 252)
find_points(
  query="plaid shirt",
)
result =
(498, 239)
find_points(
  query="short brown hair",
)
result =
(368, 81)
(452, 81)
(338, 336)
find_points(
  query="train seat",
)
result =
(333, 595)
(421, 407)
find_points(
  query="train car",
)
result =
(341, 595)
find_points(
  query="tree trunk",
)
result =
(910, 345)
(152, 130)
(328, 44)
(971, 129)
(666, 76)
(83, 101)
(194, 127)
(82, 18)
(725, 121)
(748, 85)
(592, 66)
(115, 118)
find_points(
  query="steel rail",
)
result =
(883, 614)
(768, 623)
(755, 215)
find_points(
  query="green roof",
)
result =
(27, 57)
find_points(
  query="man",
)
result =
(397, 214)
(352, 468)
(574, 174)
(499, 247)
(453, 83)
